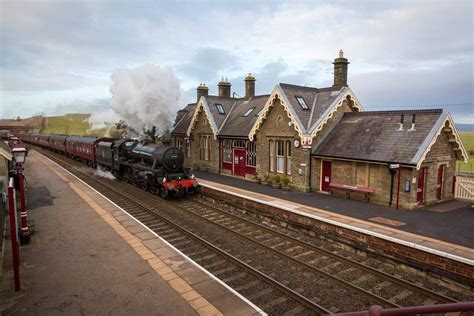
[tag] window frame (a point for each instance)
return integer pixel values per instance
(220, 108)
(280, 158)
(227, 150)
(251, 153)
(188, 148)
(288, 157)
(302, 102)
(271, 151)
(249, 111)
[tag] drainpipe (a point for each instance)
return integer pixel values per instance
(309, 164)
(392, 174)
(398, 187)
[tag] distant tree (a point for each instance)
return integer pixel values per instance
(18, 118)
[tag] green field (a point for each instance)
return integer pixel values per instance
(468, 141)
(70, 124)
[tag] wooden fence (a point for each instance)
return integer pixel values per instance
(464, 188)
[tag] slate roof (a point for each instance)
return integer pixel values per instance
(318, 101)
(182, 126)
(226, 103)
(236, 124)
(375, 136)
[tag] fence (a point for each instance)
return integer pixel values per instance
(464, 187)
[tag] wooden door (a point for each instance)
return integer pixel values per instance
(420, 192)
(440, 184)
(239, 162)
(326, 176)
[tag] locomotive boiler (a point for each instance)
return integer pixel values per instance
(153, 167)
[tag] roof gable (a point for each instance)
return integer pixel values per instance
(202, 107)
(376, 136)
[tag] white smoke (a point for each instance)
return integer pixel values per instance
(143, 97)
(104, 174)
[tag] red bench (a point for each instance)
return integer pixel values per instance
(352, 188)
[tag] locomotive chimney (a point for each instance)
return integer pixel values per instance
(249, 86)
(340, 71)
(201, 90)
(224, 88)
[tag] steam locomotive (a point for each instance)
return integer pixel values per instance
(153, 167)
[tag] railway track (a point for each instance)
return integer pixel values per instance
(277, 272)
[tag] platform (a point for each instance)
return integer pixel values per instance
(445, 234)
(88, 256)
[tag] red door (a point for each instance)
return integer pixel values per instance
(239, 162)
(440, 186)
(420, 192)
(326, 176)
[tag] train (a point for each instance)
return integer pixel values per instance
(153, 167)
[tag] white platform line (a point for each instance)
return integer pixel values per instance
(347, 226)
(257, 309)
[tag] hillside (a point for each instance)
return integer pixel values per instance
(69, 124)
(468, 141)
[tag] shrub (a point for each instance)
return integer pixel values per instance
(277, 179)
(285, 181)
(270, 178)
(255, 175)
(266, 177)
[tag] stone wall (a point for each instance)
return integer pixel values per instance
(275, 127)
(440, 153)
(203, 127)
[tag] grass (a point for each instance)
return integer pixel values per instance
(468, 141)
(71, 124)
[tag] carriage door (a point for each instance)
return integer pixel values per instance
(326, 176)
(440, 184)
(239, 162)
(420, 192)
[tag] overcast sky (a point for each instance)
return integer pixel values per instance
(58, 56)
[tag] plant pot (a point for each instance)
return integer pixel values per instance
(286, 187)
(264, 182)
(276, 185)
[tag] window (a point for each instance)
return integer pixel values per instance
(179, 144)
(302, 103)
(220, 108)
(188, 148)
(248, 112)
(280, 154)
(228, 150)
(288, 157)
(272, 155)
(251, 154)
(259, 112)
(204, 147)
(239, 143)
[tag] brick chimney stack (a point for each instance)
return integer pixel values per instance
(224, 88)
(340, 71)
(202, 90)
(249, 86)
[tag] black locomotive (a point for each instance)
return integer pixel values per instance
(155, 168)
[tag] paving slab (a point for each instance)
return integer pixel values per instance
(82, 260)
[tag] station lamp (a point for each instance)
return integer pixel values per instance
(20, 152)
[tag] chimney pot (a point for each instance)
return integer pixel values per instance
(413, 119)
(340, 71)
(402, 118)
(224, 88)
(249, 86)
(201, 90)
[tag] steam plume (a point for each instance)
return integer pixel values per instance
(143, 97)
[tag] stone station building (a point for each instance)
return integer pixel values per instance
(322, 140)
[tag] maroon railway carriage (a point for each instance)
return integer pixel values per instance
(58, 142)
(83, 148)
(41, 140)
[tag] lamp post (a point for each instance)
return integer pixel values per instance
(20, 152)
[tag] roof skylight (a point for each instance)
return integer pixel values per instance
(248, 112)
(302, 102)
(220, 108)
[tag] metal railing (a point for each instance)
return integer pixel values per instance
(415, 310)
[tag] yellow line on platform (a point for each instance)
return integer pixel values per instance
(194, 299)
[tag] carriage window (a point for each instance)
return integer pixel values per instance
(251, 154)
(228, 150)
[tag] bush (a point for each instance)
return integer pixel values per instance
(255, 175)
(285, 181)
(266, 177)
(277, 179)
(270, 178)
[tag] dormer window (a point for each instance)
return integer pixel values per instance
(248, 112)
(220, 108)
(302, 102)
(259, 112)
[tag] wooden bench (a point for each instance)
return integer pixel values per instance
(352, 188)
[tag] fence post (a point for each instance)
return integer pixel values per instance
(14, 235)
